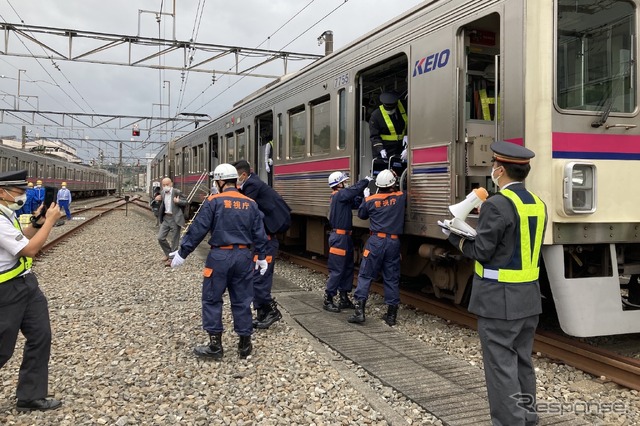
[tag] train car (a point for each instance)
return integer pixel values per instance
(83, 181)
(559, 77)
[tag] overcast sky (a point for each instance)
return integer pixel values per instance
(120, 90)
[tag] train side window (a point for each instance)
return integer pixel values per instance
(195, 160)
(241, 145)
(342, 119)
(321, 126)
(231, 148)
(280, 140)
(297, 133)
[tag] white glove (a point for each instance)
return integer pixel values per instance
(366, 192)
(445, 228)
(383, 153)
(263, 265)
(270, 161)
(405, 141)
(267, 168)
(177, 260)
(369, 178)
(403, 156)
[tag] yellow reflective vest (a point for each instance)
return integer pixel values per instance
(23, 264)
(393, 136)
(529, 250)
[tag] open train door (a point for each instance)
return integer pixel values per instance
(264, 147)
(479, 117)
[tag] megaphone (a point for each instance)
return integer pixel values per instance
(462, 209)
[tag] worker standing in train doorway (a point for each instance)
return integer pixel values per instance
(388, 128)
(385, 211)
(268, 159)
(64, 199)
(506, 294)
(23, 306)
(277, 219)
(235, 223)
(340, 263)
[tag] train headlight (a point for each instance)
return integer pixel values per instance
(579, 188)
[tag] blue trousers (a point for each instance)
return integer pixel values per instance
(233, 270)
(262, 283)
(380, 254)
(64, 204)
(340, 263)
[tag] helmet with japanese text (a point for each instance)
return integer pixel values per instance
(336, 178)
(386, 179)
(225, 171)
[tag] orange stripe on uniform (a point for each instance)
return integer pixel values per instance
(338, 251)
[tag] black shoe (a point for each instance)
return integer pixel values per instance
(391, 315)
(358, 315)
(43, 404)
(345, 303)
(244, 346)
(213, 350)
(329, 305)
(261, 314)
(272, 316)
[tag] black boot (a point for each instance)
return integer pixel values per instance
(213, 350)
(244, 346)
(272, 316)
(391, 315)
(358, 315)
(329, 305)
(261, 313)
(345, 303)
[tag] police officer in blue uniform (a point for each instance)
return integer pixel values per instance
(340, 262)
(505, 293)
(235, 222)
(23, 306)
(277, 219)
(385, 211)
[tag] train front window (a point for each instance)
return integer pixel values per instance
(596, 63)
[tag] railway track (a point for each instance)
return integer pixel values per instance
(600, 362)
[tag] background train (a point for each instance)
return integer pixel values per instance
(559, 77)
(83, 181)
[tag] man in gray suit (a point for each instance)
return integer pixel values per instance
(171, 217)
(505, 293)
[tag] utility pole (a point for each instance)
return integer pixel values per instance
(24, 137)
(120, 171)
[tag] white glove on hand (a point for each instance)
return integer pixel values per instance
(366, 192)
(369, 178)
(177, 260)
(383, 153)
(444, 227)
(270, 161)
(267, 168)
(263, 265)
(403, 156)
(405, 141)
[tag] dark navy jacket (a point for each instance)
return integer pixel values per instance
(232, 218)
(385, 212)
(276, 211)
(342, 202)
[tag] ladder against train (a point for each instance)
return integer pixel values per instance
(194, 191)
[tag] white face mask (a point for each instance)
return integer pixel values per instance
(19, 201)
(167, 188)
(495, 179)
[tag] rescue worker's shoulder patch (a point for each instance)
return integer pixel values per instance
(19, 237)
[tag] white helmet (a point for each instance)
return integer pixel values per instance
(225, 171)
(337, 177)
(385, 179)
